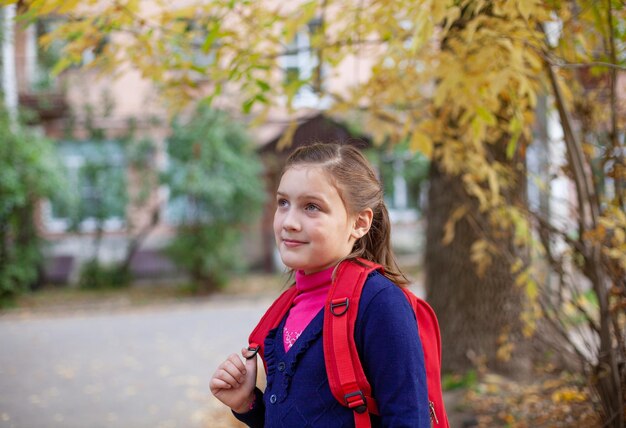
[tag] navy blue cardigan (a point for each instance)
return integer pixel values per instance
(297, 392)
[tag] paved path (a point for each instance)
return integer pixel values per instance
(141, 367)
(130, 368)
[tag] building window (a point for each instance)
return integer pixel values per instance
(184, 210)
(403, 174)
(40, 77)
(301, 64)
(97, 196)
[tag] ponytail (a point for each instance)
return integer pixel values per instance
(375, 246)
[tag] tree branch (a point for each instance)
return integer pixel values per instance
(584, 187)
(561, 330)
(564, 64)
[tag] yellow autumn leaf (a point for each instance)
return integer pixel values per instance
(44, 7)
(287, 137)
(422, 143)
(505, 351)
(619, 236)
(614, 253)
(494, 185)
(486, 115)
(475, 190)
(508, 418)
(452, 14)
(529, 326)
(448, 228)
(568, 395)
(620, 216)
(480, 255)
(525, 8)
(184, 12)
(305, 13)
(517, 265)
(532, 289)
(67, 6)
(522, 278)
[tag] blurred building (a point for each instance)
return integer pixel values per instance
(91, 120)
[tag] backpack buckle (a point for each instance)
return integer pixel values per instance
(356, 401)
(254, 348)
(342, 304)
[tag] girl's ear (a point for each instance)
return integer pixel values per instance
(362, 223)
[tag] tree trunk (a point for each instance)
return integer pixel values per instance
(137, 241)
(477, 315)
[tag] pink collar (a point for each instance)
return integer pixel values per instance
(307, 283)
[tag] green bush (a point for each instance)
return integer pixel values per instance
(208, 253)
(215, 183)
(29, 171)
(94, 276)
(452, 381)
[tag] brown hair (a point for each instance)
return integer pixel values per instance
(359, 188)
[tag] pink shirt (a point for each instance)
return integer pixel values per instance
(312, 292)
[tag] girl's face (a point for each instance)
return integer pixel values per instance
(312, 227)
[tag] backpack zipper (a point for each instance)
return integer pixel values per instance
(433, 415)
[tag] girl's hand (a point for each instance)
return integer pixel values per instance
(234, 380)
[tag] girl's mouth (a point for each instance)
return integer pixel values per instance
(291, 243)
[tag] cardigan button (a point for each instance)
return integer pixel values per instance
(273, 398)
(281, 366)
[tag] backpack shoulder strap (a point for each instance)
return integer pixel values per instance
(270, 320)
(345, 373)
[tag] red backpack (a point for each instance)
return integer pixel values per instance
(347, 380)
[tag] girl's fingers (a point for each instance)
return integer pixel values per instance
(236, 360)
(226, 377)
(233, 382)
(217, 383)
(234, 370)
(231, 372)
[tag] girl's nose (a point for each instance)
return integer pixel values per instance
(290, 221)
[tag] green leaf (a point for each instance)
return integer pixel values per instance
(512, 145)
(211, 37)
(248, 104)
(61, 65)
(487, 116)
(264, 86)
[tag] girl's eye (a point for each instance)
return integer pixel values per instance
(282, 202)
(311, 207)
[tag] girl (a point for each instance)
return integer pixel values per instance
(329, 208)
